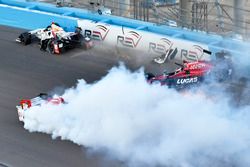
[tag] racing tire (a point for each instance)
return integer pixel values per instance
(85, 44)
(50, 46)
(25, 38)
(81, 40)
(43, 95)
(99, 11)
(78, 30)
(149, 76)
(156, 83)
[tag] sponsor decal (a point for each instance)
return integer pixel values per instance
(99, 33)
(197, 66)
(130, 39)
(161, 47)
(187, 80)
(165, 47)
(195, 53)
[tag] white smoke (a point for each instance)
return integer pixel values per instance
(147, 125)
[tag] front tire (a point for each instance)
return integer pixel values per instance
(50, 46)
(99, 11)
(149, 76)
(156, 82)
(86, 43)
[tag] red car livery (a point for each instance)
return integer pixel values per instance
(188, 74)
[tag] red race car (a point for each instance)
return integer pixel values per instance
(42, 98)
(191, 73)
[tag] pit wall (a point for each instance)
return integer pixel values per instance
(115, 30)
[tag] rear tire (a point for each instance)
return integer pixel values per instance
(25, 38)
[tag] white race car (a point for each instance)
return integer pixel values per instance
(55, 40)
(42, 98)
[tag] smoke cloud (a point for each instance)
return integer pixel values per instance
(147, 125)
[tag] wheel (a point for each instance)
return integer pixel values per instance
(43, 95)
(156, 82)
(99, 12)
(50, 46)
(25, 38)
(86, 43)
(78, 30)
(148, 76)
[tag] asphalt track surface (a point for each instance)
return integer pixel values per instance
(25, 71)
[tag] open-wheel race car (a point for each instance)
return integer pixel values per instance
(55, 40)
(192, 73)
(42, 98)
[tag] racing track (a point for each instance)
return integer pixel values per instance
(24, 72)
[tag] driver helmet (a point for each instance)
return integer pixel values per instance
(25, 105)
(55, 27)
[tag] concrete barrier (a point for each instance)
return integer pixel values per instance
(32, 15)
(31, 19)
(114, 20)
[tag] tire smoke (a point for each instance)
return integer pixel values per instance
(147, 125)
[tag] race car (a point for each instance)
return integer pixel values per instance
(55, 40)
(191, 73)
(42, 98)
(188, 74)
